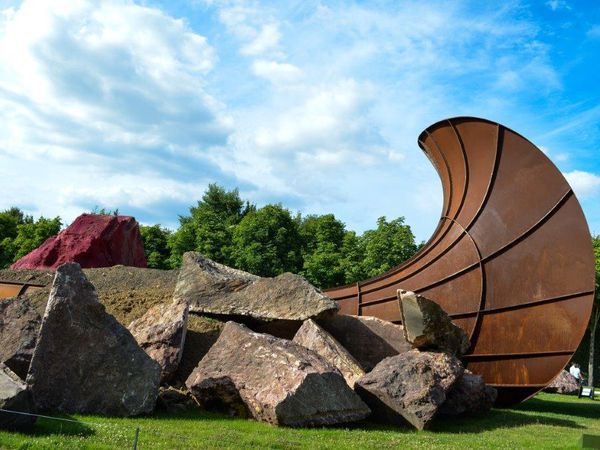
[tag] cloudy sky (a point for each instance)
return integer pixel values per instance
(314, 104)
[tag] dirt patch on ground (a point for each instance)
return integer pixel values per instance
(127, 293)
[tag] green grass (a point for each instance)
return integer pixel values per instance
(546, 421)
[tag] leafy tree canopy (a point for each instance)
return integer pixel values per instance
(20, 234)
(267, 242)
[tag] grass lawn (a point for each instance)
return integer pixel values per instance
(546, 421)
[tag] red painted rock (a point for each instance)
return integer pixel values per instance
(92, 240)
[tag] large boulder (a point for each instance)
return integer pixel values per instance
(161, 333)
(212, 288)
(427, 326)
(19, 326)
(273, 380)
(92, 240)
(409, 387)
(563, 383)
(368, 339)
(315, 338)
(85, 361)
(14, 396)
(469, 395)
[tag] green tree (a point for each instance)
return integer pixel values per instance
(209, 227)
(10, 219)
(352, 262)
(267, 242)
(387, 246)
(595, 318)
(156, 246)
(29, 235)
(322, 241)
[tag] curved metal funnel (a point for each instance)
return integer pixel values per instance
(511, 260)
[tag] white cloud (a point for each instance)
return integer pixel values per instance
(112, 88)
(276, 72)
(555, 5)
(594, 32)
(585, 184)
(267, 39)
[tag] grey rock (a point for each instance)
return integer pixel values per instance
(315, 338)
(19, 327)
(212, 288)
(368, 339)
(563, 383)
(14, 396)
(470, 395)
(409, 387)
(161, 333)
(272, 380)
(427, 326)
(85, 361)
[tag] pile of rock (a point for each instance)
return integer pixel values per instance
(563, 383)
(282, 355)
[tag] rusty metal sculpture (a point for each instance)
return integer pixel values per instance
(511, 259)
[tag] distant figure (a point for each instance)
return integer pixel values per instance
(576, 372)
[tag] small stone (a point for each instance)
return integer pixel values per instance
(427, 326)
(161, 333)
(315, 338)
(563, 383)
(409, 387)
(19, 327)
(272, 380)
(470, 395)
(14, 396)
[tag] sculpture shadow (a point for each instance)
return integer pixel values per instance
(582, 409)
(498, 418)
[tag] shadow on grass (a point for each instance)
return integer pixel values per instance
(46, 427)
(532, 412)
(499, 418)
(573, 407)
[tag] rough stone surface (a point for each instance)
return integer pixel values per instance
(92, 240)
(14, 396)
(427, 326)
(85, 361)
(19, 326)
(315, 338)
(409, 387)
(161, 333)
(564, 383)
(470, 395)
(273, 380)
(173, 399)
(368, 339)
(212, 288)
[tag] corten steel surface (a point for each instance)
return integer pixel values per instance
(511, 260)
(9, 289)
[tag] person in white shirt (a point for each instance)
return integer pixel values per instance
(576, 372)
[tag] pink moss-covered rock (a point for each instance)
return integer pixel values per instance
(92, 240)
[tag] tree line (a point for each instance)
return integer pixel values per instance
(265, 241)
(271, 240)
(20, 234)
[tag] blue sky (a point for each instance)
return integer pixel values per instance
(314, 104)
